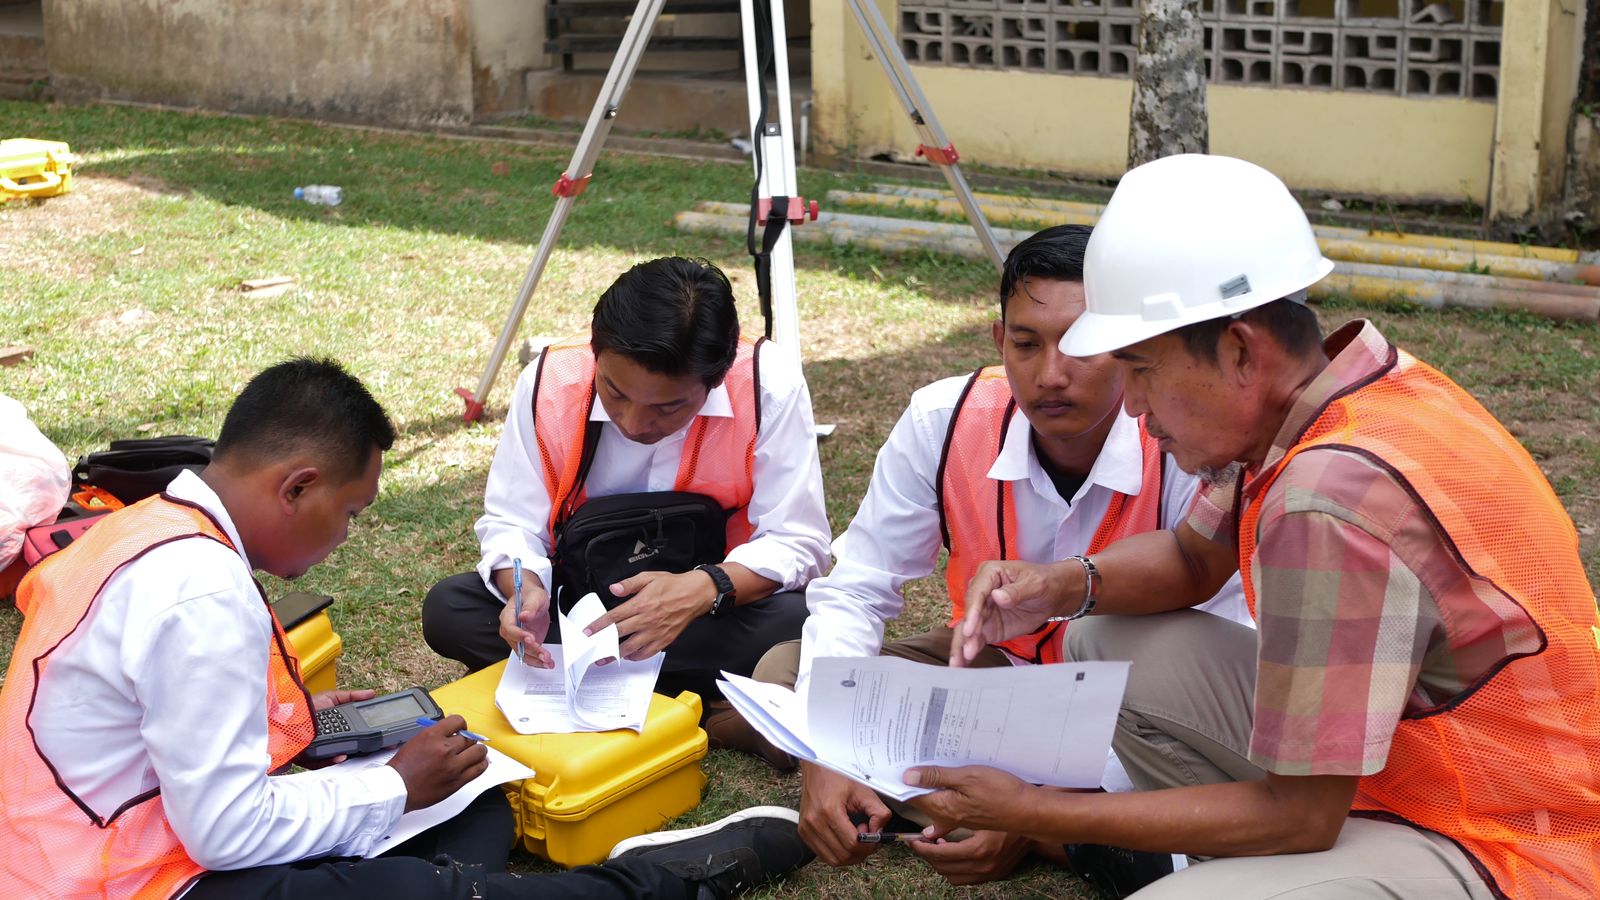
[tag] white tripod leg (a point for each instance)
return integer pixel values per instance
(571, 184)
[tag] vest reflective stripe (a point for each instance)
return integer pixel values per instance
(1510, 770)
(54, 844)
(978, 514)
(719, 453)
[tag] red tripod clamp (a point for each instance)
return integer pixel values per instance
(566, 186)
(474, 410)
(940, 156)
(800, 210)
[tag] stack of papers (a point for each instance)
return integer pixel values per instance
(871, 719)
(575, 694)
(502, 769)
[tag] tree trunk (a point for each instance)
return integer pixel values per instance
(1169, 83)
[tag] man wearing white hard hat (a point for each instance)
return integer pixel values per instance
(1420, 719)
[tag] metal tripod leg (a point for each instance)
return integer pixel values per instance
(567, 188)
(935, 145)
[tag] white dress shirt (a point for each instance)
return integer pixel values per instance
(789, 525)
(894, 537)
(164, 686)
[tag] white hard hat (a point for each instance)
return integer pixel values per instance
(1189, 238)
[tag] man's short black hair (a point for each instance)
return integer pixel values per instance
(1293, 324)
(306, 404)
(673, 316)
(1055, 253)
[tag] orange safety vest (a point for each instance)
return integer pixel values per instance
(1510, 769)
(54, 844)
(978, 517)
(719, 454)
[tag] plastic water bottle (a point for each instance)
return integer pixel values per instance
(320, 194)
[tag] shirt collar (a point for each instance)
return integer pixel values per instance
(717, 405)
(191, 488)
(1356, 352)
(1118, 467)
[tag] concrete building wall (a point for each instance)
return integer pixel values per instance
(507, 42)
(400, 61)
(1421, 147)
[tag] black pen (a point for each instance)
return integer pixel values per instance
(888, 837)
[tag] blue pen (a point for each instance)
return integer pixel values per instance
(426, 722)
(516, 588)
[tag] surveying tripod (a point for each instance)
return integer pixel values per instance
(775, 203)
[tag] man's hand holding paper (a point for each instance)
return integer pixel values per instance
(978, 797)
(660, 606)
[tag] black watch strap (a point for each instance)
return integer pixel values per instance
(725, 594)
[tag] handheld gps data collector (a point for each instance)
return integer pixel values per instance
(366, 726)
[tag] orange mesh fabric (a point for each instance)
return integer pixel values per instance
(55, 846)
(979, 513)
(1511, 769)
(718, 453)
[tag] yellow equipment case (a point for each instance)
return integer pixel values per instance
(593, 789)
(305, 618)
(30, 168)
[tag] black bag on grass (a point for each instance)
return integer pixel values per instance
(134, 469)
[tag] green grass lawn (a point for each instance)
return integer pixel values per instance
(128, 291)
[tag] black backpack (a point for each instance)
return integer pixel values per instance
(135, 469)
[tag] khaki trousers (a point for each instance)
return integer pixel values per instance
(1186, 720)
(781, 664)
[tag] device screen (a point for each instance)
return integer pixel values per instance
(403, 708)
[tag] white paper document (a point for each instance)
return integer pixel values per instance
(871, 719)
(502, 769)
(575, 694)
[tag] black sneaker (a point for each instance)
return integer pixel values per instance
(729, 856)
(1118, 872)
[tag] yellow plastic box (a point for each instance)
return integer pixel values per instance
(318, 646)
(305, 619)
(32, 168)
(590, 790)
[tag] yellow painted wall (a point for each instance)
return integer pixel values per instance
(1323, 140)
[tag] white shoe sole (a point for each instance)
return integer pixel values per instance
(662, 838)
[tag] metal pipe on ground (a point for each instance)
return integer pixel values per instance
(1027, 209)
(1439, 295)
(1361, 282)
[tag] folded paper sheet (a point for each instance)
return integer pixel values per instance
(871, 719)
(575, 694)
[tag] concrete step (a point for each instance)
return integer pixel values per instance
(25, 87)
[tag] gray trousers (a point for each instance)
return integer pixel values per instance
(1186, 720)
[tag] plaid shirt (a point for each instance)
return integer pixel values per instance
(1350, 579)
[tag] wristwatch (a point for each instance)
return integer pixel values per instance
(725, 594)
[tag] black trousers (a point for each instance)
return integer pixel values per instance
(461, 621)
(462, 859)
